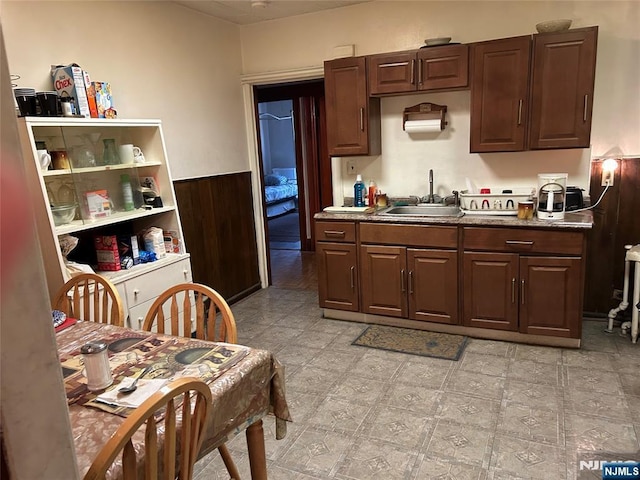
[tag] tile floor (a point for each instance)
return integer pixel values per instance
(503, 411)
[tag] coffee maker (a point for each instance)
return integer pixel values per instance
(552, 189)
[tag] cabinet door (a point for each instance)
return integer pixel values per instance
(383, 271)
(394, 73)
(551, 296)
(337, 276)
(562, 89)
(491, 290)
(499, 93)
(443, 67)
(350, 130)
(433, 285)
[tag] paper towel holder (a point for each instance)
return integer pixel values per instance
(424, 111)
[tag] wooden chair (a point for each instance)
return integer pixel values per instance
(178, 455)
(208, 303)
(90, 297)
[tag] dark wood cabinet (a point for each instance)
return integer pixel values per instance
(541, 99)
(415, 283)
(437, 68)
(499, 94)
(337, 262)
(353, 118)
(526, 281)
(562, 85)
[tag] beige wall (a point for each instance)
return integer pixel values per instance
(162, 60)
(386, 26)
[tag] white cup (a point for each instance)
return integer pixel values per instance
(126, 153)
(138, 155)
(44, 159)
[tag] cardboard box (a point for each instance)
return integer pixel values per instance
(171, 241)
(128, 247)
(68, 81)
(107, 252)
(104, 100)
(98, 203)
(91, 94)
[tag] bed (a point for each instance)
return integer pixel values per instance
(280, 191)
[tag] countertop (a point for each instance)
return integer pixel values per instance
(571, 221)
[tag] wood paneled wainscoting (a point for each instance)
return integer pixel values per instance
(616, 224)
(219, 231)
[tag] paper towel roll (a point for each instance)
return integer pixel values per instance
(422, 126)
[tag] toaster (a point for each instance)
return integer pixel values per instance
(574, 200)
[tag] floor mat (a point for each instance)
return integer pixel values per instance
(415, 342)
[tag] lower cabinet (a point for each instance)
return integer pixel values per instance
(337, 262)
(420, 284)
(527, 291)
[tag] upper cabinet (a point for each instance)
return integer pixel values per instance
(533, 100)
(562, 89)
(499, 94)
(432, 68)
(353, 118)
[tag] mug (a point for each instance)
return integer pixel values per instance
(126, 153)
(138, 156)
(44, 159)
(525, 210)
(60, 160)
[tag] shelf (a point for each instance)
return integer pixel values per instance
(117, 217)
(103, 168)
(87, 122)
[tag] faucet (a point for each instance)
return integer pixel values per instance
(430, 198)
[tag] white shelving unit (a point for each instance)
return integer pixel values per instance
(141, 284)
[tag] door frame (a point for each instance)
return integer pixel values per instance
(253, 149)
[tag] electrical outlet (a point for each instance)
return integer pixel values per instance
(351, 166)
(607, 178)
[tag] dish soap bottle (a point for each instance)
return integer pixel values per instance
(358, 192)
(371, 197)
(127, 193)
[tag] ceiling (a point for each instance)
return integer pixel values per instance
(241, 12)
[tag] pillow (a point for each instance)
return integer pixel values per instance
(273, 180)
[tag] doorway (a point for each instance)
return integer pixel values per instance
(295, 167)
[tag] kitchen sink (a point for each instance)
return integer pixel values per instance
(425, 210)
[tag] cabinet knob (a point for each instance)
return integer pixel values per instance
(135, 292)
(140, 320)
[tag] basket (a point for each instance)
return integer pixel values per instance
(493, 203)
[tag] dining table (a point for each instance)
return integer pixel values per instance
(247, 384)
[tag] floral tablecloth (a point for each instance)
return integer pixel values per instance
(246, 384)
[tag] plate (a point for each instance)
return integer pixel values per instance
(430, 42)
(123, 343)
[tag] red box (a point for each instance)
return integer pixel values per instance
(107, 252)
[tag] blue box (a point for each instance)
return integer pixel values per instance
(621, 471)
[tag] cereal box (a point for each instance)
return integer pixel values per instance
(68, 81)
(104, 100)
(107, 252)
(91, 94)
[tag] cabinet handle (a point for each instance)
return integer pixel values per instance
(513, 290)
(420, 72)
(410, 282)
(334, 233)
(586, 102)
(362, 119)
(135, 292)
(520, 112)
(352, 272)
(402, 280)
(519, 242)
(522, 292)
(413, 71)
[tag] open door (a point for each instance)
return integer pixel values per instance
(294, 160)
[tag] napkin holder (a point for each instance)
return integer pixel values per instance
(424, 118)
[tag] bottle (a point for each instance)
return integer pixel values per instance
(372, 194)
(358, 192)
(127, 192)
